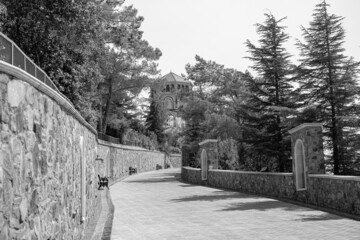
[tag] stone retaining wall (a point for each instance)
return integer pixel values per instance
(49, 161)
(40, 174)
(333, 192)
(118, 158)
(175, 160)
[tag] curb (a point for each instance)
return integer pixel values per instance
(302, 204)
(106, 234)
(99, 227)
(95, 228)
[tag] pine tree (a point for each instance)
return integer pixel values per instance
(270, 94)
(328, 83)
(155, 119)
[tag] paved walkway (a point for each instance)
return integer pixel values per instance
(156, 205)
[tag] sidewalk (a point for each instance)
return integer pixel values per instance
(156, 205)
(99, 227)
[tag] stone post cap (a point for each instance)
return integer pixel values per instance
(304, 125)
(208, 141)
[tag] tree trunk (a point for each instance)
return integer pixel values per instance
(334, 127)
(107, 109)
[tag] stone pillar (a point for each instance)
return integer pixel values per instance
(210, 145)
(311, 136)
(185, 151)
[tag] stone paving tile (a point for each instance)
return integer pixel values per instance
(156, 205)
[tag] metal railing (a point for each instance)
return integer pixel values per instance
(12, 54)
(108, 138)
(111, 139)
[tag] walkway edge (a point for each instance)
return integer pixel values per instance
(99, 227)
(95, 228)
(302, 204)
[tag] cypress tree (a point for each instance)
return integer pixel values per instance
(328, 83)
(270, 93)
(155, 119)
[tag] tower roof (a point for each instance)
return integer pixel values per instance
(172, 77)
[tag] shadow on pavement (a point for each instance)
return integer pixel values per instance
(322, 217)
(272, 204)
(187, 184)
(157, 178)
(264, 205)
(214, 197)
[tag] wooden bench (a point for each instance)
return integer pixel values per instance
(132, 170)
(103, 182)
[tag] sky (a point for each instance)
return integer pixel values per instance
(217, 30)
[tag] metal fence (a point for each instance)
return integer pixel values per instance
(12, 54)
(108, 138)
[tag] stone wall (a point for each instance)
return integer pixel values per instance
(41, 169)
(118, 158)
(211, 149)
(191, 175)
(175, 160)
(339, 193)
(50, 161)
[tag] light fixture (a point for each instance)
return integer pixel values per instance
(99, 159)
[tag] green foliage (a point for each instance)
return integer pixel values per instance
(194, 114)
(270, 96)
(228, 104)
(129, 63)
(257, 111)
(156, 117)
(60, 36)
(228, 155)
(329, 85)
(211, 109)
(92, 50)
(134, 138)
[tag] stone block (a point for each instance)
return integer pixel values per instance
(3, 221)
(21, 233)
(30, 140)
(4, 78)
(4, 137)
(43, 163)
(36, 159)
(16, 146)
(34, 203)
(4, 233)
(14, 223)
(38, 132)
(28, 118)
(30, 95)
(16, 92)
(1, 189)
(5, 118)
(24, 208)
(6, 160)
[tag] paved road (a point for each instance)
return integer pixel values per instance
(156, 205)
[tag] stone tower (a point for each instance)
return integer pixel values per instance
(167, 90)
